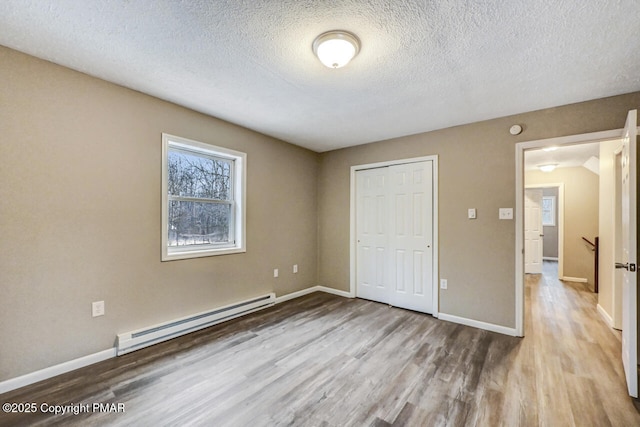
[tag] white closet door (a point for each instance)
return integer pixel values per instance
(394, 228)
(371, 232)
(411, 235)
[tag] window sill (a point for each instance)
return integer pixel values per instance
(177, 255)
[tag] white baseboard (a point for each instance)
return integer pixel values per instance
(574, 279)
(608, 319)
(59, 369)
(296, 294)
(311, 290)
(335, 292)
(478, 324)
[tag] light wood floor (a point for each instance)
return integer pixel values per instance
(323, 360)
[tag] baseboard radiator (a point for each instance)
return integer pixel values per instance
(135, 340)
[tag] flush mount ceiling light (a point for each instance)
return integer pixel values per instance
(547, 168)
(336, 48)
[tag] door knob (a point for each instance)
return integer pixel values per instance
(626, 266)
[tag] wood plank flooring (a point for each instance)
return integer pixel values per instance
(323, 360)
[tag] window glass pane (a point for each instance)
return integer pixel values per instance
(548, 211)
(191, 175)
(195, 223)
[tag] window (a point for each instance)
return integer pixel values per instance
(203, 199)
(549, 210)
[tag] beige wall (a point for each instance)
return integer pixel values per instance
(477, 170)
(581, 188)
(80, 215)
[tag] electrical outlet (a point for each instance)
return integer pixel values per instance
(97, 308)
(275, 272)
(443, 283)
(295, 268)
(471, 213)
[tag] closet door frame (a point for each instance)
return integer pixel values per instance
(352, 227)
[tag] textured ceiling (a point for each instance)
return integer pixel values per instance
(423, 65)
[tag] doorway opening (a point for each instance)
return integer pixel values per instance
(627, 139)
(521, 149)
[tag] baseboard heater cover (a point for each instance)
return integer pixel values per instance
(135, 340)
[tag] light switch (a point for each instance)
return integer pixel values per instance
(97, 308)
(505, 213)
(472, 213)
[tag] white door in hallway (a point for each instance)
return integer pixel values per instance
(533, 231)
(394, 231)
(629, 254)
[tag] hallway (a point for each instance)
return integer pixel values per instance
(579, 379)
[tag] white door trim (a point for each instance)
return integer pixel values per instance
(521, 147)
(352, 222)
(560, 225)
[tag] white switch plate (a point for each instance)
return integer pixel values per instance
(97, 308)
(472, 213)
(275, 272)
(505, 213)
(443, 283)
(295, 268)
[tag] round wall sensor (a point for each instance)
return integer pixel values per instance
(515, 130)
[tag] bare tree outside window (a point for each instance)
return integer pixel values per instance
(200, 199)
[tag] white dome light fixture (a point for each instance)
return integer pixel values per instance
(547, 168)
(336, 48)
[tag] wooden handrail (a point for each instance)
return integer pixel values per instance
(597, 255)
(596, 272)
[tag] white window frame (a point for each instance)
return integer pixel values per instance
(238, 223)
(553, 211)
